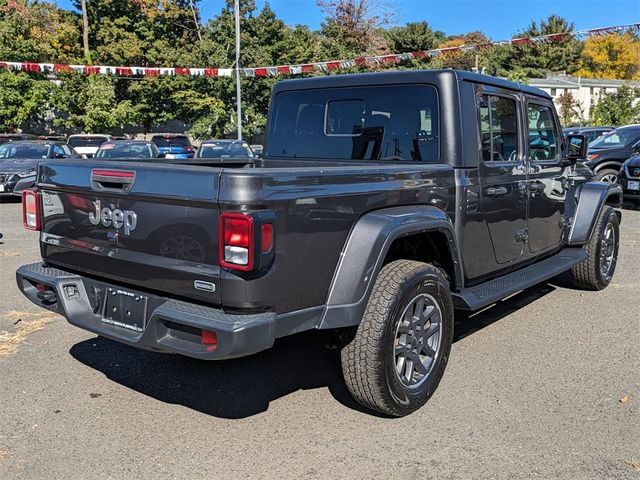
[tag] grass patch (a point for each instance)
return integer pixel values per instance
(29, 323)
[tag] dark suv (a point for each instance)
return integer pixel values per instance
(19, 159)
(591, 133)
(174, 146)
(607, 153)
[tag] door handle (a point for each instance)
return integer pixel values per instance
(496, 191)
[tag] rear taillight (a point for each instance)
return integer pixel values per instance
(31, 210)
(236, 241)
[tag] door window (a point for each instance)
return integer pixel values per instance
(498, 128)
(58, 151)
(543, 133)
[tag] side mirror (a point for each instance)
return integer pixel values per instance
(162, 155)
(60, 155)
(577, 145)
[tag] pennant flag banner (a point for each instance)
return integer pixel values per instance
(376, 61)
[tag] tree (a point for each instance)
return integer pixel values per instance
(22, 99)
(611, 56)
(413, 37)
(460, 59)
(618, 108)
(38, 32)
(569, 109)
(536, 59)
(89, 103)
(352, 27)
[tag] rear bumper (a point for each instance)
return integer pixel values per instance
(170, 325)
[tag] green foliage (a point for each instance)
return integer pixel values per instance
(537, 59)
(619, 108)
(413, 37)
(171, 33)
(23, 98)
(89, 103)
(38, 32)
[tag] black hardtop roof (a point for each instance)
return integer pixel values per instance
(403, 76)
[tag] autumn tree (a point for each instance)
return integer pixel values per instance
(611, 56)
(353, 27)
(569, 109)
(38, 32)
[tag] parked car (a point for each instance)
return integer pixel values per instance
(257, 150)
(15, 137)
(224, 150)
(173, 145)
(87, 144)
(608, 153)
(18, 162)
(125, 149)
(53, 138)
(374, 212)
(590, 132)
(630, 178)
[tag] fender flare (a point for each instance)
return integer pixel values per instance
(364, 253)
(608, 164)
(592, 197)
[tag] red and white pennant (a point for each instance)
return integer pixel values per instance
(329, 66)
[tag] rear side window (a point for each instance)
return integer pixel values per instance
(86, 141)
(498, 128)
(543, 132)
(390, 123)
(171, 141)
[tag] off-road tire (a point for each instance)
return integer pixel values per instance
(368, 361)
(587, 274)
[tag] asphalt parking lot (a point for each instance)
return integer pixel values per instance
(543, 385)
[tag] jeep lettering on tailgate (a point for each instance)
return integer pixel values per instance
(116, 217)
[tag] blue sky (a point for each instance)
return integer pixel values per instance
(500, 19)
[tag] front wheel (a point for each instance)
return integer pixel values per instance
(596, 271)
(401, 348)
(608, 176)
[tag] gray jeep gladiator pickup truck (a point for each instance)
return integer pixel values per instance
(383, 202)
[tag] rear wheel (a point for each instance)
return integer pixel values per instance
(401, 348)
(596, 271)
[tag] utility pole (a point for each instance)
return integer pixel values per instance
(238, 92)
(85, 29)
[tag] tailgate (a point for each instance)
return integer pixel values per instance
(148, 225)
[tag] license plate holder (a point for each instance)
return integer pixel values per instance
(633, 185)
(125, 309)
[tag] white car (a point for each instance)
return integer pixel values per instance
(87, 144)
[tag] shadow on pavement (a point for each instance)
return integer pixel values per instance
(244, 387)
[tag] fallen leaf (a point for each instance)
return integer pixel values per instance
(624, 399)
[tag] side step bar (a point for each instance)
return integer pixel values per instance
(480, 296)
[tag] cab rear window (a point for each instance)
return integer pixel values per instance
(171, 141)
(388, 123)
